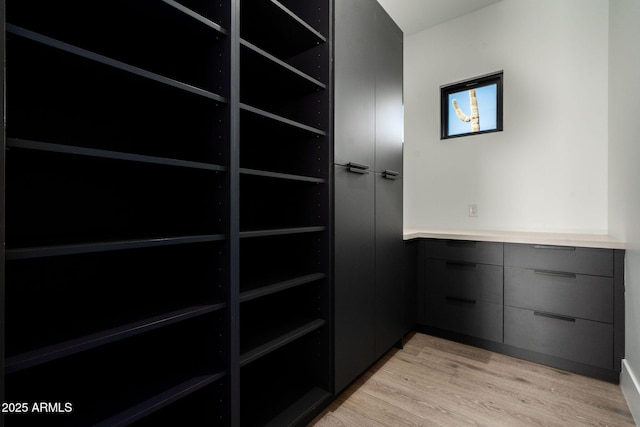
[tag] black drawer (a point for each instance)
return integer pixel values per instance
(464, 251)
(574, 295)
(579, 340)
(571, 259)
(476, 282)
(477, 319)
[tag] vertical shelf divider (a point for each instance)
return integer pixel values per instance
(234, 223)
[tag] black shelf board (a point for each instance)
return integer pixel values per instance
(107, 154)
(285, 176)
(280, 8)
(281, 231)
(293, 333)
(160, 400)
(77, 345)
(262, 291)
(57, 44)
(281, 119)
(83, 248)
(280, 30)
(194, 16)
(301, 408)
(317, 84)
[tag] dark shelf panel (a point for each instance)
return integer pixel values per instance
(79, 102)
(283, 120)
(301, 408)
(163, 37)
(282, 89)
(264, 142)
(106, 154)
(160, 401)
(280, 232)
(260, 291)
(275, 388)
(195, 17)
(43, 355)
(276, 203)
(107, 290)
(48, 41)
(284, 335)
(284, 176)
(269, 23)
(47, 251)
(113, 378)
(58, 199)
(277, 69)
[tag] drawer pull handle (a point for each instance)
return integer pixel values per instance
(559, 248)
(389, 174)
(461, 300)
(460, 264)
(554, 316)
(556, 274)
(357, 168)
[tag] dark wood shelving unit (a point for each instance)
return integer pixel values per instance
(166, 217)
(285, 211)
(116, 276)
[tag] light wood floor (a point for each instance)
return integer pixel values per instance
(435, 382)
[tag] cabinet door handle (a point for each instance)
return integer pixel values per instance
(460, 264)
(554, 316)
(389, 174)
(357, 168)
(460, 300)
(557, 248)
(556, 274)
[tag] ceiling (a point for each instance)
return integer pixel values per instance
(416, 15)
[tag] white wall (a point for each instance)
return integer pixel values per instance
(624, 172)
(547, 171)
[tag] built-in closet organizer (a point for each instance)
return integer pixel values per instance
(167, 212)
(560, 304)
(368, 186)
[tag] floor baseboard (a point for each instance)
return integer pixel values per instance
(631, 390)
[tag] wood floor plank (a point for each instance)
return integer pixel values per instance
(441, 383)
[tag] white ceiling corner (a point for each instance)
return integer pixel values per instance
(416, 15)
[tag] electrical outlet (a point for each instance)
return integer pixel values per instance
(473, 210)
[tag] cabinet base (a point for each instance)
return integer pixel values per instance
(611, 376)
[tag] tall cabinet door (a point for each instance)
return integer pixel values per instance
(354, 258)
(354, 82)
(388, 265)
(389, 121)
(389, 127)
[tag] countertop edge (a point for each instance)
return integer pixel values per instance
(561, 239)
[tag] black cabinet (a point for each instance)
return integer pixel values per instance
(167, 255)
(388, 263)
(355, 82)
(562, 299)
(558, 305)
(463, 287)
(368, 186)
(354, 274)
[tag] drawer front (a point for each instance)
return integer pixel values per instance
(574, 295)
(476, 282)
(582, 341)
(464, 251)
(481, 320)
(570, 259)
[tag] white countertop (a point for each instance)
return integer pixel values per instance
(561, 239)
